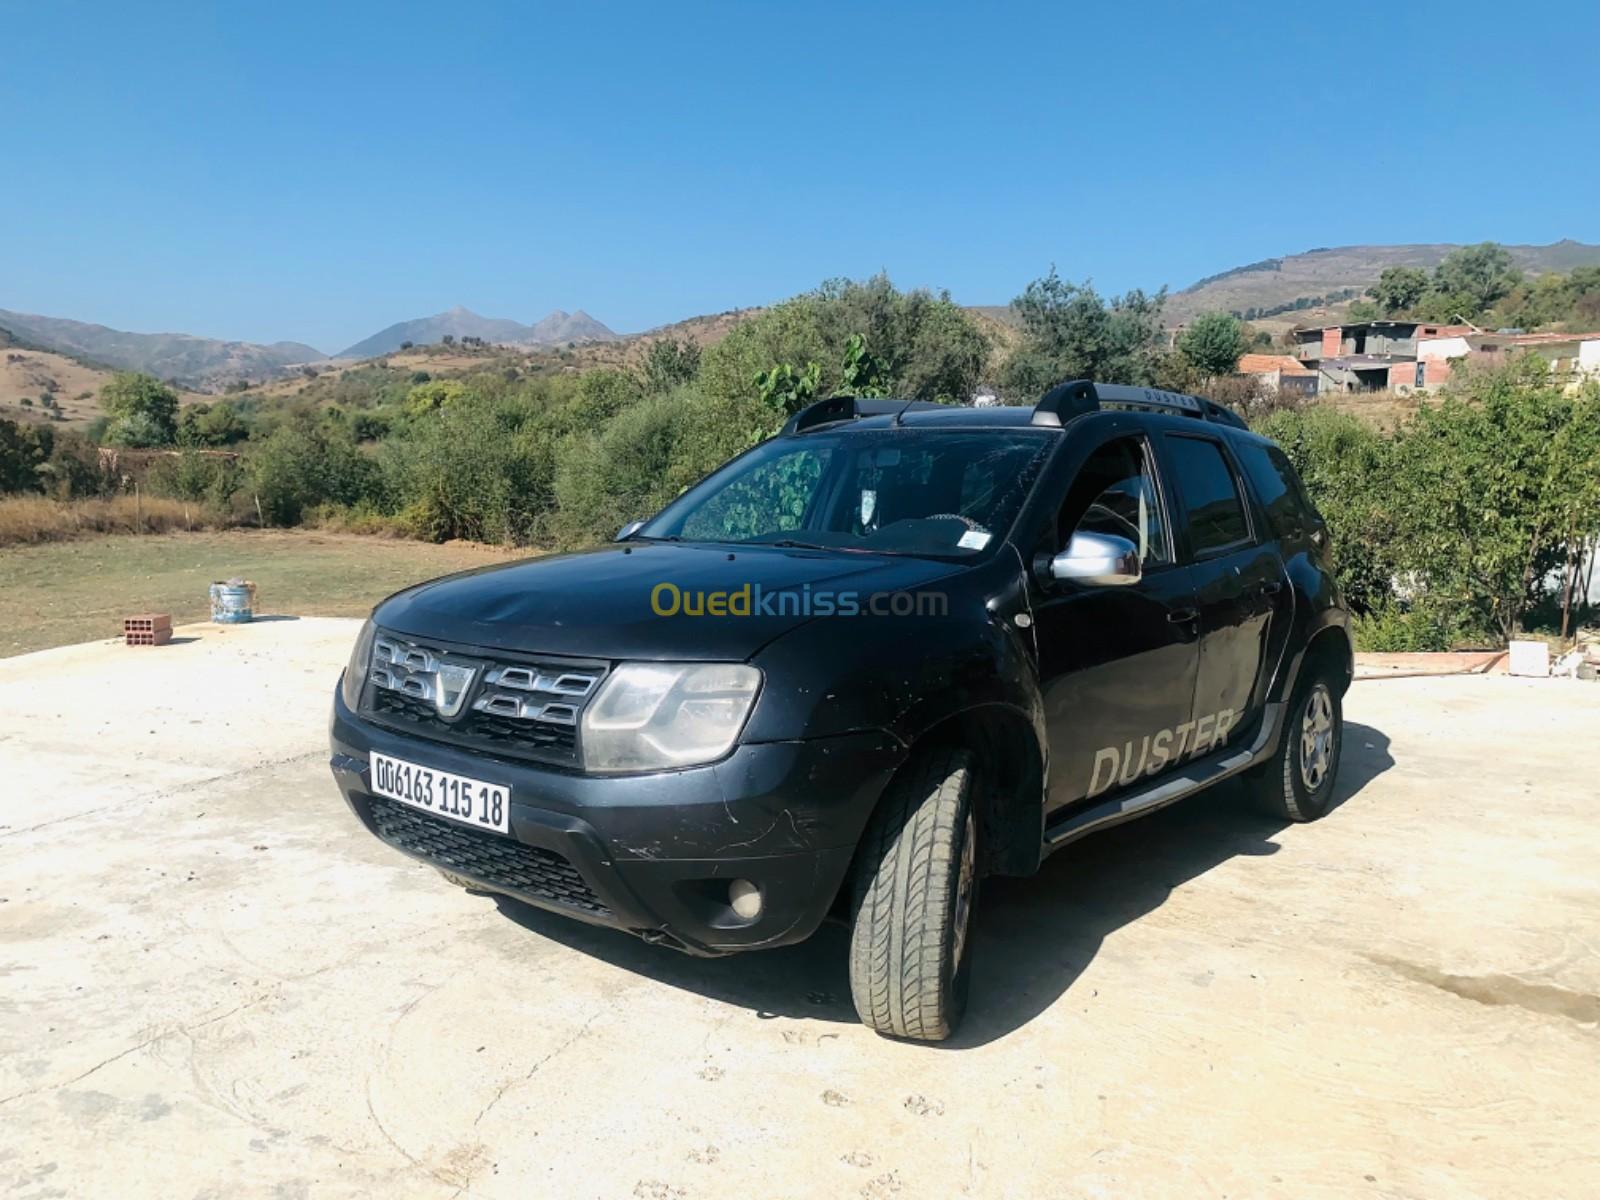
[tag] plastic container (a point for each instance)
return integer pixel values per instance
(233, 602)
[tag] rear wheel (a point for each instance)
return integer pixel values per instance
(1298, 783)
(916, 885)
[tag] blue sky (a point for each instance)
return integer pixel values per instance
(317, 171)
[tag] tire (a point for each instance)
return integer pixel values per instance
(915, 889)
(1297, 784)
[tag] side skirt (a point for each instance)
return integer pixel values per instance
(1193, 777)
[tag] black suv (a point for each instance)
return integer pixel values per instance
(895, 649)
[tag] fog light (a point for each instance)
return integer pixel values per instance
(745, 897)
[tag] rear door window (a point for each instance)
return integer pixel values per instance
(1276, 483)
(1210, 493)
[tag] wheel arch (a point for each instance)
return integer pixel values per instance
(1330, 651)
(1010, 796)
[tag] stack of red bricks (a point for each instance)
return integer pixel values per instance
(147, 629)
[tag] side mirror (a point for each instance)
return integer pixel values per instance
(1101, 559)
(628, 530)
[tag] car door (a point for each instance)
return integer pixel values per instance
(1117, 663)
(1238, 583)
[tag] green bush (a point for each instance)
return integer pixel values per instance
(1345, 466)
(137, 431)
(928, 346)
(646, 457)
(298, 467)
(143, 410)
(473, 472)
(211, 479)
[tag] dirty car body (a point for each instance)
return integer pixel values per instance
(893, 581)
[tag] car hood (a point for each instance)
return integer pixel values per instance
(597, 603)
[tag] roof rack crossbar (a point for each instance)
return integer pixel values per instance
(1080, 396)
(850, 408)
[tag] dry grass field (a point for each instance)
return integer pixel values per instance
(33, 374)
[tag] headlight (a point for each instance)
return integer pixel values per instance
(651, 716)
(355, 672)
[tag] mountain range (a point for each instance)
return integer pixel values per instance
(1288, 287)
(206, 364)
(554, 330)
(1314, 286)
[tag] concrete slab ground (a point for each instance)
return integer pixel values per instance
(214, 983)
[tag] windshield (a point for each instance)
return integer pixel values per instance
(891, 491)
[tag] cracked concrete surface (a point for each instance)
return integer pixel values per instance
(214, 983)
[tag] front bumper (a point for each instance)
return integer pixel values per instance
(651, 854)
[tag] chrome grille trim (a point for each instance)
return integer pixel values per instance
(506, 702)
(527, 679)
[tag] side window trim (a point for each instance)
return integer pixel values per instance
(1158, 486)
(1251, 536)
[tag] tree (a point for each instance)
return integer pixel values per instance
(929, 347)
(137, 431)
(449, 339)
(1069, 332)
(1489, 486)
(143, 410)
(1213, 343)
(786, 390)
(1475, 277)
(23, 447)
(669, 363)
(435, 394)
(211, 425)
(864, 374)
(1399, 289)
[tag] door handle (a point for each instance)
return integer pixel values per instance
(1184, 616)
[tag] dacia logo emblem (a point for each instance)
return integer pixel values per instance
(450, 688)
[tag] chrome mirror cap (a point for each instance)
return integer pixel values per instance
(1100, 559)
(628, 530)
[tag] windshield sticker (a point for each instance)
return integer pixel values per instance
(973, 539)
(869, 505)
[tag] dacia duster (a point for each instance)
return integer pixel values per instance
(895, 649)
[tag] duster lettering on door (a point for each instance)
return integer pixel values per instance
(1125, 764)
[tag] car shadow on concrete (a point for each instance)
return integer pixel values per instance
(1034, 936)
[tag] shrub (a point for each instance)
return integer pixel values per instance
(645, 457)
(1345, 466)
(670, 363)
(73, 470)
(23, 447)
(143, 410)
(298, 467)
(471, 472)
(929, 348)
(211, 425)
(137, 431)
(212, 479)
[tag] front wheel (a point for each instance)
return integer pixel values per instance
(1298, 783)
(916, 884)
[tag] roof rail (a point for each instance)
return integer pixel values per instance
(850, 408)
(1066, 401)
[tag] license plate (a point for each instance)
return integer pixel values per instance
(455, 797)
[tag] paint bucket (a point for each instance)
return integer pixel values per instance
(233, 602)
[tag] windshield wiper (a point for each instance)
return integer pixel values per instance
(791, 544)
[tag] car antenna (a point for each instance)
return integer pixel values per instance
(902, 412)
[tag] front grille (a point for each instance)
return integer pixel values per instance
(497, 861)
(521, 706)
